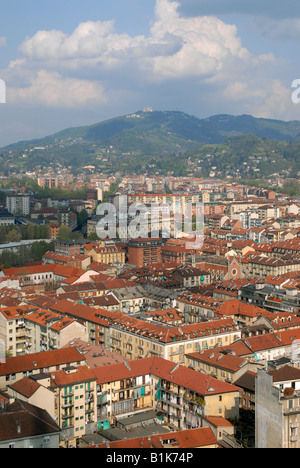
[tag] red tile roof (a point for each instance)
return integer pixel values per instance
(163, 369)
(43, 360)
(216, 358)
(236, 307)
(26, 387)
(63, 377)
(33, 421)
(186, 439)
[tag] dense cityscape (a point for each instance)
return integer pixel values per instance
(163, 341)
(149, 227)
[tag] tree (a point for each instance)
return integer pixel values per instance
(38, 249)
(93, 237)
(82, 218)
(13, 236)
(64, 233)
(30, 231)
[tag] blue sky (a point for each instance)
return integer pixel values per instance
(70, 63)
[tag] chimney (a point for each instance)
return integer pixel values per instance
(174, 369)
(127, 364)
(18, 427)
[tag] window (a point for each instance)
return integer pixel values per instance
(293, 434)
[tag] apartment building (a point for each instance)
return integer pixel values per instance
(266, 347)
(75, 403)
(267, 212)
(108, 254)
(221, 364)
(179, 396)
(69, 248)
(6, 218)
(288, 247)
(95, 320)
(196, 307)
(134, 338)
(143, 252)
(184, 396)
(67, 218)
(272, 298)
(78, 261)
(174, 254)
(202, 437)
(35, 391)
(259, 266)
(12, 330)
(176, 202)
(216, 221)
(190, 277)
(18, 205)
(49, 275)
(16, 368)
(122, 390)
(242, 206)
(28, 329)
(23, 426)
(277, 411)
(46, 331)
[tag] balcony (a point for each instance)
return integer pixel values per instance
(102, 415)
(122, 407)
(67, 433)
(67, 405)
(102, 399)
(89, 410)
(195, 400)
(89, 396)
(68, 415)
(169, 388)
(20, 337)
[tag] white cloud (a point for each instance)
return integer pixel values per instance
(52, 90)
(176, 46)
(262, 98)
(2, 41)
(206, 43)
(83, 68)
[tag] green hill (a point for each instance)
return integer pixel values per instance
(146, 139)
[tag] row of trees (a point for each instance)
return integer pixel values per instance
(17, 233)
(25, 254)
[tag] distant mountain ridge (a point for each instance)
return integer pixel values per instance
(214, 129)
(145, 135)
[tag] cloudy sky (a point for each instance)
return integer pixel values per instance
(71, 63)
